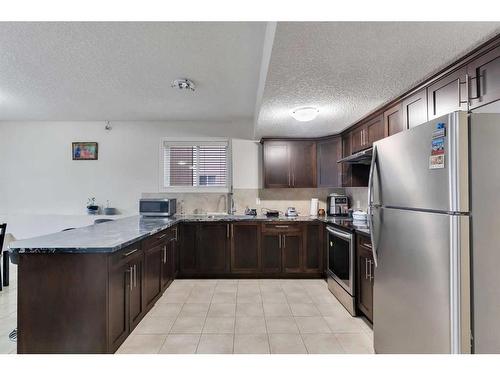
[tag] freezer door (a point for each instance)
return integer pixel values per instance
(421, 283)
(403, 176)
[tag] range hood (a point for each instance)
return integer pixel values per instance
(362, 157)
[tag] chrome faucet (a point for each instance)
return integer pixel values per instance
(231, 208)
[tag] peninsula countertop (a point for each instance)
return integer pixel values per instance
(114, 235)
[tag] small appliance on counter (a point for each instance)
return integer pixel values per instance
(337, 205)
(358, 215)
(271, 213)
(251, 211)
(162, 207)
(291, 212)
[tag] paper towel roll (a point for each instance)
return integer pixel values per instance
(314, 207)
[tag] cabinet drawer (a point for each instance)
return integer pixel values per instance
(281, 227)
(125, 255)
(157, 238)
(365, 242)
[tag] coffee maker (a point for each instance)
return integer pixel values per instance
(337, 205)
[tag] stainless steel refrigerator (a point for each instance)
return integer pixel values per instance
(434, 200)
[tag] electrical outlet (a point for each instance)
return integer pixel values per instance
(257, 201)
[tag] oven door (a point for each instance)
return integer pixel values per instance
(341, 258)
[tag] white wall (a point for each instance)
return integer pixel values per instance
(38, 176)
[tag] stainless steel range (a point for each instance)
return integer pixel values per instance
(340, 263)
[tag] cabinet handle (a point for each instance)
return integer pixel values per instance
(232, 230)
(281, 226)
(163, 235)
(129, 253)
(284, 241)
(293, 179)
(460, 101)
(279, 241)
(135, 275)
(366, 268)
(165, 254)
(131, 273)
(227, 230)
(368, 245)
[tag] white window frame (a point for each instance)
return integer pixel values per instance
(195, 189)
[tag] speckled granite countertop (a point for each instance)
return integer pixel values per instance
(114, 235)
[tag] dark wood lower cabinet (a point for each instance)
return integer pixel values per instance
(153, 272)
(119, 297)
(188, 255)
(365, 271)
(245, 247)
(314, 253)
(292, 247)
(271, 253)
(212, 247)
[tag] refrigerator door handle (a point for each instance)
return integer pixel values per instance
(371, 204)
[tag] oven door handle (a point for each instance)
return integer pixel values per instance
(344, 235)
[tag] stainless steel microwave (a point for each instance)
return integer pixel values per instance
(157, 207)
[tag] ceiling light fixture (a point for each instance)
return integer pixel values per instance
(183, 84)
(304, 114)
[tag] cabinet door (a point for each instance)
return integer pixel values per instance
(303, 156)
(277, 173)
(447, 95)
(346, 168)
(374, 130)
(313, 250)
(119, 286)
(245, 247)
(153, 273)
(187, 252)
(484, 78)
(271, 253)
(357, 139)
(329, 171)
(166, 263)
(415, 109)
(212, 247)
(292, 252)
(393, 120)
(137, 300)
(365, 282)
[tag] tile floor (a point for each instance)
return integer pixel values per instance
(249, 316)
(233, 316)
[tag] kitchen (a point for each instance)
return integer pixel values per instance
(243, 235)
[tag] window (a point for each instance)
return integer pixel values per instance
(195, 165)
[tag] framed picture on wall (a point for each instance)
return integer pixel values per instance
(84, 150)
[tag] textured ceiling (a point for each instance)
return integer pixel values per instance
(122, 71)
(348, 69)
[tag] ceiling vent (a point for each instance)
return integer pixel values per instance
(183, 84)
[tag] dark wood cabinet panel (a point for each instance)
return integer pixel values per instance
(291, 244)
(303, 164)
(393, 120)
(365, 272)
(245, 247)
(484, 79)
(187, 257)
(212, 247)
(357, 139)
(415, 109)
(119, 279)
(153, 273)
(374, 131)
(271, 253)
(313, 249)
(346, 168)
(137, 300)
(277, 164)
(167, 263)
(329, 171)
(447, 94)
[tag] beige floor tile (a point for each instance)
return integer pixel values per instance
(248, 298)
(226, 288)
(297, 297)
(277, 309)
(355, 343)
(343, 324)
(250, 324)
(312, 324)
(195, 309)
(155, 325)
(323, 298)
(286, 343)
(166, 309)
(248, 282)
(188, 324)
(222, 309)
(227, 282)
(271, 288)
(174, 297)
(248, 289)
(215, 344)
(322, 343)
(249, 309)
(219, 325)
(224, 297)
(329, 309)
(281, 324)
(142, 344)
(199, 297)
(274, 297)
(251, 344)
(304, 309)
(180, 344)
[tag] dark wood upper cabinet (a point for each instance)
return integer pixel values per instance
(277, 168)
(447, 94)
(414, 109)
(393, 120)
(289, 163)
(245, 247)
(212, 247)
(374, 130)
(329, 171)
(484, 79)
(346, 168)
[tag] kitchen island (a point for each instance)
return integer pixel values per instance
(85, 290)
